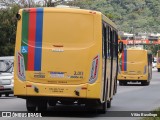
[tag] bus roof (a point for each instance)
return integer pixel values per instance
(109, 21)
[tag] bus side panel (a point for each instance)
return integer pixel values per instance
(94, 91)
(158, 59)
(19, 87)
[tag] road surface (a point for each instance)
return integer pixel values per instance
(130, 98)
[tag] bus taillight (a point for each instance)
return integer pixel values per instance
(119, 69)
(94, 69)
(145, 69)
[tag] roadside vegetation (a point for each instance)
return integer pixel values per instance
(142, 15)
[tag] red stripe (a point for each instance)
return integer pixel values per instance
(31, 38)
(123, 61)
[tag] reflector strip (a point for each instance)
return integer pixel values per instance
(28, 85)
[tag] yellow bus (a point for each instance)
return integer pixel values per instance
(135, 66)
(158, 60)
(65, 55)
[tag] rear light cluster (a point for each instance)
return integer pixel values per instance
(145, 69)
(158, 61)
(94, 70)
(119, 69)
(20, 66)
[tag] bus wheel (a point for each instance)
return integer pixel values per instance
(108, 104)
(115, 87)
(31, 107)
(145, 83)
(42, 106)
(120, 83)
(52, 103)
(158, 69)
(103, 108)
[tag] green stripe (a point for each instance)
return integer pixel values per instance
(24, 41)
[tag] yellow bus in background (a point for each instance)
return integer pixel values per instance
(158, 60)
(135, 65)
(65, 55)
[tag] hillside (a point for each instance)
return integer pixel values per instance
(142, 15)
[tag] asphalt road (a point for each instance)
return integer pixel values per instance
(129, 99)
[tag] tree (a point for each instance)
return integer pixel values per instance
(8, 30)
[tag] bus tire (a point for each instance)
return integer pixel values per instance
(30, 105)
(52, 103)
(104, 108)
(115, 87)
(109, 104)
(120, 83)
(146, 83)
(42, 106)
(158, 69)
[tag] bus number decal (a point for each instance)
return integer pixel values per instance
(78, 73)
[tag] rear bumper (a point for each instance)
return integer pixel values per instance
(6, 89)
(30, 89)
(132, 77)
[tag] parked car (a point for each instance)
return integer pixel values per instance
(6, 75)
(154, 62)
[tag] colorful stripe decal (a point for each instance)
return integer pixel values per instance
(31, 39)
(122, 61)
(24, 41)
(31, 45)
(125, 60)
(38, 49)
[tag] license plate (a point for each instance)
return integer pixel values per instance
(6, 82)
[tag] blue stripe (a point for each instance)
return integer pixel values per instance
(38, 43)
(125, 60)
